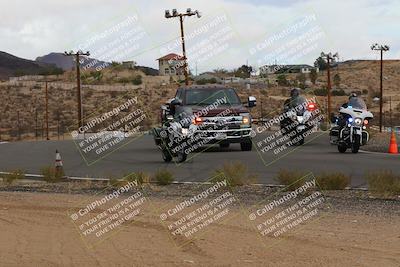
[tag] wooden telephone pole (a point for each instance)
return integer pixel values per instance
(78, 82)
(381, 48)
(329, 58)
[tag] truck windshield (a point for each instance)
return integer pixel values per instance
(203, 97)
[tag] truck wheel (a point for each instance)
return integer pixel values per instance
(342, 148)
(224, 145)
(246, 146)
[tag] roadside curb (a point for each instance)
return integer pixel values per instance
(39, 176)
(379, 153)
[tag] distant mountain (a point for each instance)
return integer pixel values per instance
(58, 59)
(68, 63)
(14, 66)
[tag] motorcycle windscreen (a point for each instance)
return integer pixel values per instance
(357, 103)
(298, 102)
(183, 112)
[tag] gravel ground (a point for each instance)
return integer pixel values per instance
(344, 201)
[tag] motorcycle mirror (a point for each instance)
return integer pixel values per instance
(176, 102)
(252, 101)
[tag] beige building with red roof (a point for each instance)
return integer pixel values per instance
(171, 65)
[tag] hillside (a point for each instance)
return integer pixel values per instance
(104, 90)
(14, 66)
(68, 63)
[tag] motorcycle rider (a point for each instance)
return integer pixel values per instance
(341, 121)
(294, 93)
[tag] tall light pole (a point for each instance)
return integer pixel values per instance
(382, 48)
(329, 58)
(78, 81)
(175, 14)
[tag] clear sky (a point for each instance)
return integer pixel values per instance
(229, 33)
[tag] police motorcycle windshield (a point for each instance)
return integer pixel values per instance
(183, 115)
(357, 103)
(298, 103)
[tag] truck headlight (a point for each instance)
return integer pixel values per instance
(245, 119)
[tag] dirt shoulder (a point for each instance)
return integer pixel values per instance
(356, 230)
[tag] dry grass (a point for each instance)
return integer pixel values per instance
(13, 176)
(325, 181)
(51, 175)
(292, 179)
(163, 177)
(333, 181)
(384, 183)
(236, 173)
(140, 177)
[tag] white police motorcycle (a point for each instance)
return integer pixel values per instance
(298, 117)
(177, 128)
(350, 130)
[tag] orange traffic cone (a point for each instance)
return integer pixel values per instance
(393, 149)
(59, 165)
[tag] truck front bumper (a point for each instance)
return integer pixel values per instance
(226, 135)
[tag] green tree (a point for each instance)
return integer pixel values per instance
(321, 63)
(313, 76)
(244, 71)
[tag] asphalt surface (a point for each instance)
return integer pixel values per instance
(141, 154)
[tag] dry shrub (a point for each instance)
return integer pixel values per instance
(236, 173)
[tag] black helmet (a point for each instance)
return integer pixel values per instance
(295, 92)
(352, 95)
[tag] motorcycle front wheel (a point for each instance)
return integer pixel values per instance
(342, 148)
(166, 156)
(181, 157)
(356, 145)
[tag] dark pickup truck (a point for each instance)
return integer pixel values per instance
(218, 112)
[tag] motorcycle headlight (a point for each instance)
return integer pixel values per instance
(300, 119)
(358, 121)
(184, 131)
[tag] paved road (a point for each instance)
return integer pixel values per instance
(142, 155)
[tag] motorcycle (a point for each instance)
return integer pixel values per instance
(350, 130)
(173, 135)
(298, 115)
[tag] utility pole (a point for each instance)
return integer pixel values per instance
(19, 126)
(381, 48)
(175, 14)
(36, 124)
(329, 58)
(47, 112)
(78, 81)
